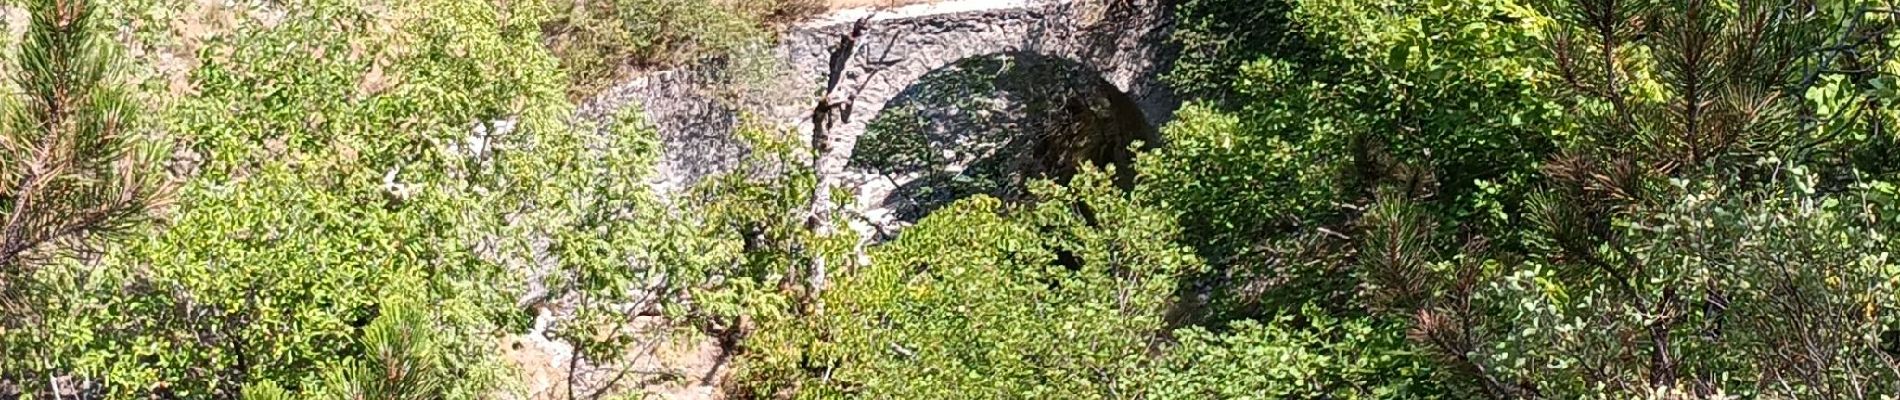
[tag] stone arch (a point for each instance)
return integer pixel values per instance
(899, 49)
(696, 111)
(989, 123)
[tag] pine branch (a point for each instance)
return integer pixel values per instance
(86, 175)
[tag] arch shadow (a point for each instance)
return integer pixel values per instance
(989, 124)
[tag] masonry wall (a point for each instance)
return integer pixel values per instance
(696, 109)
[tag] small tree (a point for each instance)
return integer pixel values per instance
(71, 168)
(1691, 240)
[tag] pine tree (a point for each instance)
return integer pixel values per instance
(72, 168)
(71, 171)
(1691, 114)
(402, 362)
(402, 359)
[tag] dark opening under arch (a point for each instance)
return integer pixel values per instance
(990, 124)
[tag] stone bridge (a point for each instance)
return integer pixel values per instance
(697, 109)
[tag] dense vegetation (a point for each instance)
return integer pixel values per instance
(1499, 199)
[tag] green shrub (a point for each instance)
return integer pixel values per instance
(1059, 299)
(1782, 281)
(314, 199)
(1310, 355)
(402, 362)
(1432, 99)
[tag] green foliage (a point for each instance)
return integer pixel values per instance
(597, 39)
(1788, 287)
(1309, 355)
(1232, 183)
(1363, 199)
(595, 230)
(266, 391)
(314, 190)
(401, 362)
(1061, 298)
(1668, 250)
(75, 164)
(1480, 169)
(703, 259)
(761, 204)
(75, 167)
(1431, 99)
(1219, 36)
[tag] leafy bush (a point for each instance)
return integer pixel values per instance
(1319, 357)
(1482, 170)
(1432, 99)
(1783, 294)
(333, 156)
(402, 362)
(1062, 298)
(1217, 37)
